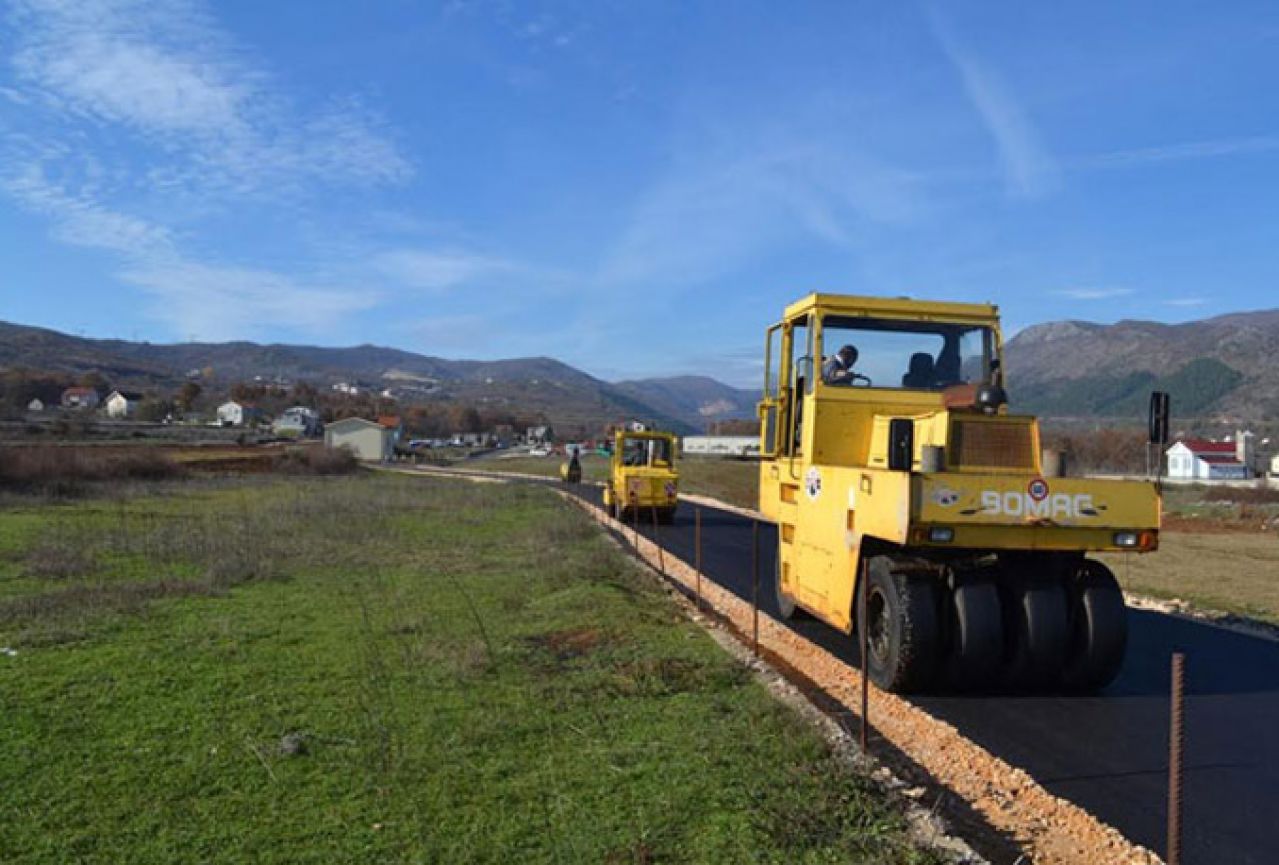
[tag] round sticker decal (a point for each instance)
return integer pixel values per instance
(813, 483)
(1038, 489)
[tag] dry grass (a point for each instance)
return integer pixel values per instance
(1234, 573)
(64, 471)
(316, 460)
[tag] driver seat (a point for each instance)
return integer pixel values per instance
(921, 372)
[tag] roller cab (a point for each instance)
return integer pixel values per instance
(643, 478)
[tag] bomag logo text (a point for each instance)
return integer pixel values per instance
(1016, 504)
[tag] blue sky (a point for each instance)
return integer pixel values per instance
(636, 188)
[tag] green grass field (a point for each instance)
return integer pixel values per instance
(384, 669)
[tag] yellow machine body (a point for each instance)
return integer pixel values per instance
(643, 474)
(826, 481)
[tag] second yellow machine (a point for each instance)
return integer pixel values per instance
(892, 467)
(642, 477)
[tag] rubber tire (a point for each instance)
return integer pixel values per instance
(1038, 635)
(1098, 629)
(975, 656)
(910, 661)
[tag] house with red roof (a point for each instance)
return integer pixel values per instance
(80, 397)
(1203, 460)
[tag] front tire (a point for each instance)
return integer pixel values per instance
(1035, 615)
(1098, 628)
(976, 649)
(901, 618)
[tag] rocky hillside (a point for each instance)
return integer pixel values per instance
(1225, 367)
(566, 395)
(698, 399)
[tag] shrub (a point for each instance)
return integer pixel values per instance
(317, 461)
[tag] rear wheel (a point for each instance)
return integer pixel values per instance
(976, 635)
(900, 623)
(1037, 634)
(1098, 628)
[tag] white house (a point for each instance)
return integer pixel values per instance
(298, 421)
(1198, 459)
(1274, 466)
(80, 397)
(232, 413)
(539, 435)
(122, 404)
(369, 441)
(36, 404)
(722, 446)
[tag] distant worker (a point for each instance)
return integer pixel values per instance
(838, 369)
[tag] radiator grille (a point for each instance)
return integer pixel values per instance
(992, 444)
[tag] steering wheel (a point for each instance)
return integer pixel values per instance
(857, 376)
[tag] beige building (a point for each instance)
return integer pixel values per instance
(369, 441)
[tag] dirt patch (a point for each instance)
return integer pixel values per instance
(570, 644)
(1217, 525)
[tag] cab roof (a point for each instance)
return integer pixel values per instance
(894, 307)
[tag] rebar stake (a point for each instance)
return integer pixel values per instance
(1176, 748)
(661, 557)
(864, 627)
(697, 552)
(755, 582)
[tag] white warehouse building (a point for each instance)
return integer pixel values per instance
(722, 446)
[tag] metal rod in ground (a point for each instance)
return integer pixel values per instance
(635, 520)
(755, 583)
(697, 552)
(863, 625)
(661, 558)
(1176, 747)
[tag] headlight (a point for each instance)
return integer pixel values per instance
(1129, 540)
(941, 534)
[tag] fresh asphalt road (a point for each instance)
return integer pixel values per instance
(1107, 753)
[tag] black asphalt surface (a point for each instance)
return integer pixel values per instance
(1107, 753)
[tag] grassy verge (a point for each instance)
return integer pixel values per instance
(377, 669)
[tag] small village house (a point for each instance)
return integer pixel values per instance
(539, 435)
(1203, 460)
(36, 404)
(368, 440)
(298, 421)
(80, 398)
(393, 423)
(232, 413)
(122, 404)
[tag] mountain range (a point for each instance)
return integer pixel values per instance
(565, 395)
(1223, 368)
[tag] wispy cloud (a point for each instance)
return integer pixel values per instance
(1093, 293)
(438, 270)
(1186, 301)
(166, 72)
(1029, 170)
(1180, 152)
(716, 209)
(203, 122)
